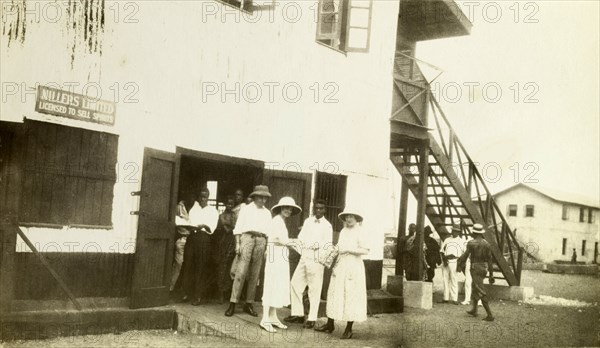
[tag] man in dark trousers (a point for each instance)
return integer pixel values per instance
(432, 254)
(480, 252)
(409, 262)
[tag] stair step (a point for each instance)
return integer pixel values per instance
(449, 216)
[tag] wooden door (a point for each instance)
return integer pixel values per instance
(156, 229)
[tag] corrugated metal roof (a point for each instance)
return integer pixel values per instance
(557, 195)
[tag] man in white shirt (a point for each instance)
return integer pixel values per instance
(250, 231)
(468, 279)
(315, 237)
(197, 253)
(452, 248)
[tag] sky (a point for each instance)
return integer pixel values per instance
(532, 113)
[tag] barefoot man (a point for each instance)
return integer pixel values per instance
(480, 253)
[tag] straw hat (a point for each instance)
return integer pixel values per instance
(286, 202)
(478, 228)
(261, 190)
(354, 212)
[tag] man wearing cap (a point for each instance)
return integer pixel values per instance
(452, 249)
(479, 251)
(250, 231)
(315, 237)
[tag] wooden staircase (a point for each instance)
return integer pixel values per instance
(455, 190)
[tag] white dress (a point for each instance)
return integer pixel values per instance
(276, 290)
(347, 294)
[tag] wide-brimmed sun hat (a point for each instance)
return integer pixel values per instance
(286, 202)
(478, 228)
(350, 211)
(261, 190)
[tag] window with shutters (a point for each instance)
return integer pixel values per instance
(345, 25)
(68, 176)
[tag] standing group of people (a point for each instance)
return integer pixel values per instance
(204, 246)
(456, 254)
(246, 235)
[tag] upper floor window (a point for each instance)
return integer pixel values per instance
(345, 25)
(590, 216)
(512, 210)
(565, 212)
(582, 214)
(529, 210)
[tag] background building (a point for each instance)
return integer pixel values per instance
(550, 224)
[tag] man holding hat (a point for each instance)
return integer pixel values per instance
(480, 253)
(250, 231)
(452, 249)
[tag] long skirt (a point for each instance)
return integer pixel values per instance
(347, 294)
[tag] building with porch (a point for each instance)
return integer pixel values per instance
(111, 110)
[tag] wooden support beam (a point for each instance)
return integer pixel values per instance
(401, 226)
(421, 208)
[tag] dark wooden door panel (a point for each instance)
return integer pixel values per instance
(156, 229)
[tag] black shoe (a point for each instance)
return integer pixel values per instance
(248, 309)
(325, 328)
(196, 302)
(183, 299)
(347, 335)
(229, 312)
(473, 313)
(309, 324)
(294, 319)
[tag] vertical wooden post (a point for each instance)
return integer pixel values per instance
(401, 225)
(421, 205)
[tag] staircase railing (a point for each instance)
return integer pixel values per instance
(467, 173)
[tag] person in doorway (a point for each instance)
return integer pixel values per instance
(452, 249)
(225, 248)
(314, 238)
(197, 253)
(432, 254)
(479, 251)
(574, 256)
(183, 230)
(276, 290)
(238, 200)
(347, 293)
(250, 235)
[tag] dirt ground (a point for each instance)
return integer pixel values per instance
(517, 324)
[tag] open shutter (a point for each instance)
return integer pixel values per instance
(358, 28)
(156, 229)
(329, 22)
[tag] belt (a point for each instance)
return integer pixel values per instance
(256, 234)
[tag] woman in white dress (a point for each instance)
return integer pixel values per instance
(347, 294)
(276, 290)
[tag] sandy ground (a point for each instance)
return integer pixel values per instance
(517, 324)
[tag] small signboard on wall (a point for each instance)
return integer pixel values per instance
(57, 102)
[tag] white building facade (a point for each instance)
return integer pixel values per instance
(551, 224)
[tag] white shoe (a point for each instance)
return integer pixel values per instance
(465, 303)
(268, 327)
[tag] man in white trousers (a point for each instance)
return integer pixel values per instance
(468, 279)
(315, 238)
(452, 248)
